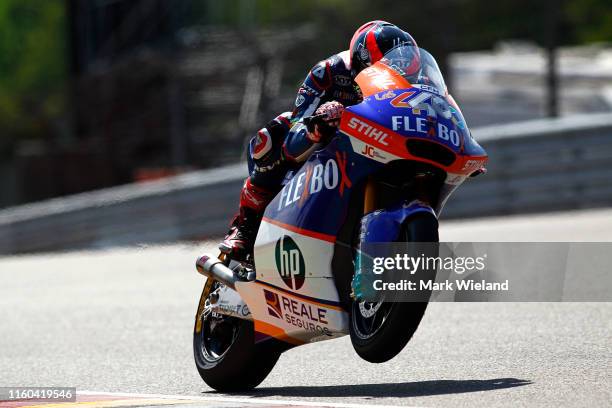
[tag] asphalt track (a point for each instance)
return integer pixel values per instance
(120, 321)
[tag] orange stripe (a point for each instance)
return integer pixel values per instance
(276, 332)
(302, 231)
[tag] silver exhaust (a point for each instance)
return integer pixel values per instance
(212, 267)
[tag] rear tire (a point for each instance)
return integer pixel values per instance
(397, 321)
(226, 355)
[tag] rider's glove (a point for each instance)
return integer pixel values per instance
(331, 112)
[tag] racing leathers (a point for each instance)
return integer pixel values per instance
(284, 144)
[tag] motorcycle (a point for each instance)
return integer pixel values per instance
(384, 177)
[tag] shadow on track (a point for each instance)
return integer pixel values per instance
(397, 390)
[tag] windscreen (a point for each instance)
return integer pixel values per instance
(417, 66)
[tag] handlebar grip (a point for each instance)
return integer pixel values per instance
(311, 121)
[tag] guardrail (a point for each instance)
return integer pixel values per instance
(542, 165)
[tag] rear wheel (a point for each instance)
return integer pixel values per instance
(380, 330)
(226, 355)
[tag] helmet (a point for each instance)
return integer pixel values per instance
(405, 60)
(373, 40)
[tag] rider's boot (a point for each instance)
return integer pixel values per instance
(238, 243)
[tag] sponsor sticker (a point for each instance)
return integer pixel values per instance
(232, 309)
(319, 71)
(421, 125)
(330, 175)
(299, 100)
(342, 80)
(427, 88)
(297, 313)
(472, 165)
(372, 152)
(290, 262)
(363, 53)
(368, 130)
(386, 95)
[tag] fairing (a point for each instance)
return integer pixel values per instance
(385, 225)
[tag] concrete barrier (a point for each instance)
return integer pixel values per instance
(542, 165)
(189, 206)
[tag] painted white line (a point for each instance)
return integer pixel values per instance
(253, 400)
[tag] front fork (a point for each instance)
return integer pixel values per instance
(384, 225)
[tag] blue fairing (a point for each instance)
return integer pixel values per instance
(385, 225)
(432, 110)
(317, 196)
(381, 226)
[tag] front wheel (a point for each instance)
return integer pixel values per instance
(380, 330)
(226, 355)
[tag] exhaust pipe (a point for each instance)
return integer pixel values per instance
(213, 268)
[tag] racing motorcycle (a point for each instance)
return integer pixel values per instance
(384, 177)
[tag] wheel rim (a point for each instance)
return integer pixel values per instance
(369, 317)
(219, 332)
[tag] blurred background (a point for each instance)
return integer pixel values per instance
(102, 93)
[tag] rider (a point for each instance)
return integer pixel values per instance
(285, 143)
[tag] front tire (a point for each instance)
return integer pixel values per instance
(226, 355)
(380, 330)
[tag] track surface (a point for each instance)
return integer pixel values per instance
(120, 320)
